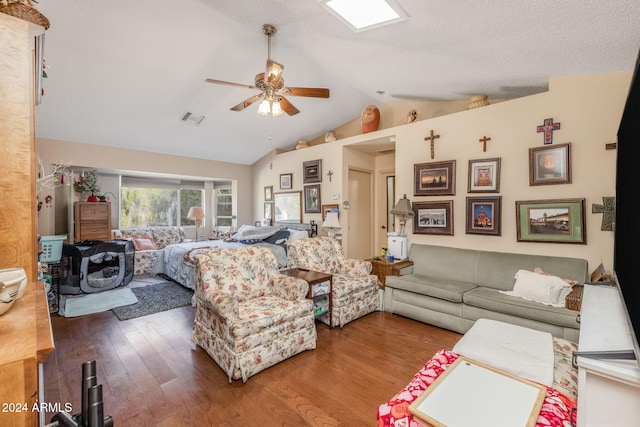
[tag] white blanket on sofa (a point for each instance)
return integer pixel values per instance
(521, 351)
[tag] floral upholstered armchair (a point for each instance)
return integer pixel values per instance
(248, 316)
(354, 290)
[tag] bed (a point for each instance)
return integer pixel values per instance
(177, 260)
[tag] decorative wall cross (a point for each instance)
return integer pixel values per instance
(608, 209)
(548, 127)
(431, 138)
(329, 175)
(484, 140)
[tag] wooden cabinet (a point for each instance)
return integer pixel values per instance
(92, 221)
(608, 390)
(26, 342)
(25, 329)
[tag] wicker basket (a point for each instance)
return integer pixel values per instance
(23, 9)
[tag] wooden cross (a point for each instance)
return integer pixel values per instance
(548, 127)
(608, 209)
(431, 138)
(484, 140)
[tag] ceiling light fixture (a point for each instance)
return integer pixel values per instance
(360, 15)
(270, 106)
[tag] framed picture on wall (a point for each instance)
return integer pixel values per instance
(484, 176)
(550, 164)
(312, 171)
(329, 208)
(483, 215)
(551, 221)
(312, 198)
(435, 178)
(433, 217)
(286, 181)
(268, 193)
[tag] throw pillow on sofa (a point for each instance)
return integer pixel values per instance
(142, 244)
(545, 289)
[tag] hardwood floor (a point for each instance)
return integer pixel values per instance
(153, 375)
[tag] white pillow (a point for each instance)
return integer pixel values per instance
(549, 290)
(297, 234)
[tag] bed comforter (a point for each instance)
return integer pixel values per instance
(176, 261)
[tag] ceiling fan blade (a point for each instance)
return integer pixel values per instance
(314, 92)
(244, 104)
(274, 70)
(288, 107)
(222, 82)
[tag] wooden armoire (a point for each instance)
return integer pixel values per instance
(25, 329)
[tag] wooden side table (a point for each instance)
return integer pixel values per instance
(320, 285)
(382, 268)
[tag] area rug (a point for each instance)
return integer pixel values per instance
(155, 298)
(98, 302)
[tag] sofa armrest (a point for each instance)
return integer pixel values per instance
(288, 287)
(356, 266)
(221, 304)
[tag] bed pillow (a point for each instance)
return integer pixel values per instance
(142, 244)
(278, 238)
(251, 234)
(297, 234)
(549, 290)
(568, 281)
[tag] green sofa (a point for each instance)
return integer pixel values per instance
(452, 288)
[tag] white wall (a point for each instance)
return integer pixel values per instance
(589, 109)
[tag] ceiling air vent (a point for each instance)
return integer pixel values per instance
(192, 119)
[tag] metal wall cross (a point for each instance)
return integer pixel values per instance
(608, 209)
(547, 128)
(431, 138)
(484, 140)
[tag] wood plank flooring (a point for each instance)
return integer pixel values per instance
(153, 375)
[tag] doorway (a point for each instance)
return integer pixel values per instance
(360, 217)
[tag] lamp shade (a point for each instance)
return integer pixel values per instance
(195, 212)
(331, 220)
(403, 207)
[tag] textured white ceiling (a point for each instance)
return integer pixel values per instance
(122, 73)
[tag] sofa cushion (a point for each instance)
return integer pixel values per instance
(498, 269)
(446, 289)
(165, 236)
(492, 299)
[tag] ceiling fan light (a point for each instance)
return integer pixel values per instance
(264, 108)
(276, 109)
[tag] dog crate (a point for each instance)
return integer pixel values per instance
(94, 266)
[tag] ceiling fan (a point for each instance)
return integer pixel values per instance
(272, 86)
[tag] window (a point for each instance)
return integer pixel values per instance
(224, 199)
(158, 202)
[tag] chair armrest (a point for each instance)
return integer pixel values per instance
(288, 287)
(356, 266)
(222, 304)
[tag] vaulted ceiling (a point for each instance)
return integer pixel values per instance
(122, 73)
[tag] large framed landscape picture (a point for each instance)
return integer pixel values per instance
(435, 178)
(551, 221)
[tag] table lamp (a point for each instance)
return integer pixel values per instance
(197, 214)
(331, 223)
(403, 209)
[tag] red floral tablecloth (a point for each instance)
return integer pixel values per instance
(555, 411)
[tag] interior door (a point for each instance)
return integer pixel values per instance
(360, 217)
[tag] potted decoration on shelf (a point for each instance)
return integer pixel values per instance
(88, 183)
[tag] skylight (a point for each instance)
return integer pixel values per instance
(362, 15)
